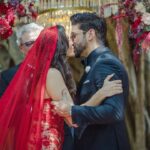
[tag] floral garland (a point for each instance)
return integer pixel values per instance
(139, 28)
(9, 11)
(139, 20)
(6, 21)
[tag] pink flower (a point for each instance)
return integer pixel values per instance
(146, 43)
(10, 17)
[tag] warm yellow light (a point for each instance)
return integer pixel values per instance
(53, 17)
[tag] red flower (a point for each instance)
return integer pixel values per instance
(21, 10)
(34, 14)
(3, 8)
(10, 17)
(5, 29)
(136, 23)
(141, 37)
(129, 3)
(7, 16)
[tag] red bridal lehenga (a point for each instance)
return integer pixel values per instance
(51, 130)
(27, 120)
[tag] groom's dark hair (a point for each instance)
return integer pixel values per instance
(88, 21)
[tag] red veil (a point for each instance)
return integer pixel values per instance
(22, 102)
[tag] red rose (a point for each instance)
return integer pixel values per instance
(10, 17)
(5, 29)
(136, 23)
(21, 10)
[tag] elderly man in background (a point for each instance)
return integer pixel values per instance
(26, 36)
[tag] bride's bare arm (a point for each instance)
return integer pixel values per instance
(55, 85)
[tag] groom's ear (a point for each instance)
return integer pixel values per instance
(91, 34)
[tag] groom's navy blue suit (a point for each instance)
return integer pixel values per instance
(101, 127)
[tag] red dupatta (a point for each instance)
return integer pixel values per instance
(22, 102)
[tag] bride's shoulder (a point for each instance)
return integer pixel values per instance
(53, 72)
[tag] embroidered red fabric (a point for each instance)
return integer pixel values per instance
(23, 110)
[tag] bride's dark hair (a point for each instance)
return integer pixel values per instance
(60, 60)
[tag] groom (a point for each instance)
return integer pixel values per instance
(99, 127)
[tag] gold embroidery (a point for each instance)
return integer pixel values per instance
(46, 108)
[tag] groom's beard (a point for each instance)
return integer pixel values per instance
(78, 49)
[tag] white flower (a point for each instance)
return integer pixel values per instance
(140, 7)
(87, 69)
(146, 18)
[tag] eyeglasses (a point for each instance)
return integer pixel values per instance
(28, 44)
(74, 35)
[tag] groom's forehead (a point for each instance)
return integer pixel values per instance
(75, 28)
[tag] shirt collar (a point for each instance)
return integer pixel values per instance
(90, 60)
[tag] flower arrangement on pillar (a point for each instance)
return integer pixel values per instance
(6, 20)
(9, 11)
(139, 28)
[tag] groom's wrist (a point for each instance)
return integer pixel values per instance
(69, 118)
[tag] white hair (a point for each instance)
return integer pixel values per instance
(31, 27)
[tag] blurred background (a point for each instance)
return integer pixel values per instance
(128, 35)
